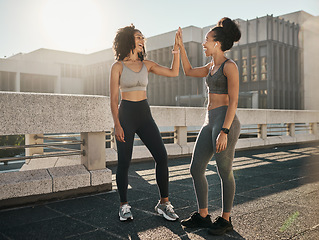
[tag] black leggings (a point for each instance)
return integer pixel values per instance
(135, 117)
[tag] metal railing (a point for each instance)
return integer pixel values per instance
(303, 127)
(62, 140)
(59, 144)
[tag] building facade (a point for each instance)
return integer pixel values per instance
(276, 58)
(51, 71)
(268, 59)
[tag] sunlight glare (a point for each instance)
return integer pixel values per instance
(72, 25)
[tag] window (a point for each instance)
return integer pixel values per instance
(253, 61)
(37, 83)
(262, 99)
(263, 62)
(263, 68)
(244, 54)
(7, 81)
(235, 56)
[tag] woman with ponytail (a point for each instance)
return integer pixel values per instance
(220, 132)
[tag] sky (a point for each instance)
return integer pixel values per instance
(86, 26)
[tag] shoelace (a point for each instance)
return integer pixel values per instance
(170, 208)
(126, 209)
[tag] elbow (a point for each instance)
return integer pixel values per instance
(233, 103)
(187, 72)
(175, 74)
(114, 101)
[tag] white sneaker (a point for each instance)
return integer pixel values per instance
(166, 210)
(125, 213)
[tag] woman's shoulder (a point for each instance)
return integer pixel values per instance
(149, 64)
(117, 65)
(230, 64)
(230, 67)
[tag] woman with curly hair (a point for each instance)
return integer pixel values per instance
(220, 132)
(129, 78)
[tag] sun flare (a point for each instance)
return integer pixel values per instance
(72, 25)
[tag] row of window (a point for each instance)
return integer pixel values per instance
(255, 63)
(37, 83)
(7, 80)
(28, 82)
(253, 67)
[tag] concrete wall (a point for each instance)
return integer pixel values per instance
(310, 63)
(23, 113)
(31, 113)
(308, 42)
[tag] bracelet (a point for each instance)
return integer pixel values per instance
(175, 51)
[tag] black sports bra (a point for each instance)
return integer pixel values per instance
(217, 83)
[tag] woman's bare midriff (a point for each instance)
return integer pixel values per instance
(134, 96)
(217, 100)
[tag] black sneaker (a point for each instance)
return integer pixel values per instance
(196, 220)
(220, 226)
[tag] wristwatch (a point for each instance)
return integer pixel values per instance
(225, 130)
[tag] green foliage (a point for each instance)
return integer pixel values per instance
(14, 140)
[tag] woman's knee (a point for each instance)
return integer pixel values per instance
(196, 171)
(161, 160)
(225, 172)
(123, 165)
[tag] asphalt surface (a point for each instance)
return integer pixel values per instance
(277, 197)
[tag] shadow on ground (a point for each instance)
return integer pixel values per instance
(276, 198)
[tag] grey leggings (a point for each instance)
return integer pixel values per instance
(205, 148)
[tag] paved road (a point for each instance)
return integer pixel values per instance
(276, 198)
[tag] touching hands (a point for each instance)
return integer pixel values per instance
(179, 37)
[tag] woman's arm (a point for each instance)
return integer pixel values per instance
(173, 71)
(188, 69)
(231, 72)
(114, 99)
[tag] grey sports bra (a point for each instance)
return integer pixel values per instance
(133, 81)
(217, 83)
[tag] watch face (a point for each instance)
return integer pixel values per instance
(225, 130)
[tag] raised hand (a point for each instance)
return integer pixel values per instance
(179, 36)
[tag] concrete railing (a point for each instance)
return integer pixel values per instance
(33, 114)
(183, 118)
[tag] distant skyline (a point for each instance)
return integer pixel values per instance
(86, 26)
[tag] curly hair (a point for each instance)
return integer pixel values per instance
(124, 43)
(226, 32)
